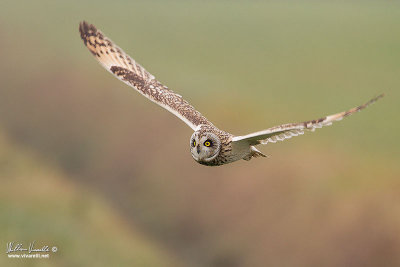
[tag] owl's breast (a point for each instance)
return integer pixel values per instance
(229, 153)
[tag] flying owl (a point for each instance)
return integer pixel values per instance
(208, 144)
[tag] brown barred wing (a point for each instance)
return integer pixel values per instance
(286, 131)
(121, 65)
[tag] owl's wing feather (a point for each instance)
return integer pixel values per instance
(286, 131)
(122, 66)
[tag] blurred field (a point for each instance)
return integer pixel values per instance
(39, 204)
(329, 198)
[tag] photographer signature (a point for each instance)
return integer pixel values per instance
(18, 247)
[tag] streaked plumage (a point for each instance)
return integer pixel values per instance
(208, 144)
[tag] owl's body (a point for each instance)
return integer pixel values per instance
(228, 151)
(208, 145)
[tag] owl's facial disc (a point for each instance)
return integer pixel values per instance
(204, 146)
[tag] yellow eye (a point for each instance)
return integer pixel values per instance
(194, 143)
(207, 143)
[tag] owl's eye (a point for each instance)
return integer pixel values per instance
(208, 143)
(194, 143)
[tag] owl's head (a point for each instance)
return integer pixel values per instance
(204, 146)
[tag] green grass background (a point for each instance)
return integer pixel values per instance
(329, 198)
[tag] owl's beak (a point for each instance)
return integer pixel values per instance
(198, 149)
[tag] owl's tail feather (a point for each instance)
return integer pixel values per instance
(254, 152)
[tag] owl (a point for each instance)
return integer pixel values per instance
(208, 145)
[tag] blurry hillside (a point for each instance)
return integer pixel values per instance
(38, 203)
(328, 198)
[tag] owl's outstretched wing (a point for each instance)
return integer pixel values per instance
(127, 70)
(285, 131)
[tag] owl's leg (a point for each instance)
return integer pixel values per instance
(254, 152)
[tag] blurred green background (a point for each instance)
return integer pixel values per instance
(94, 168)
